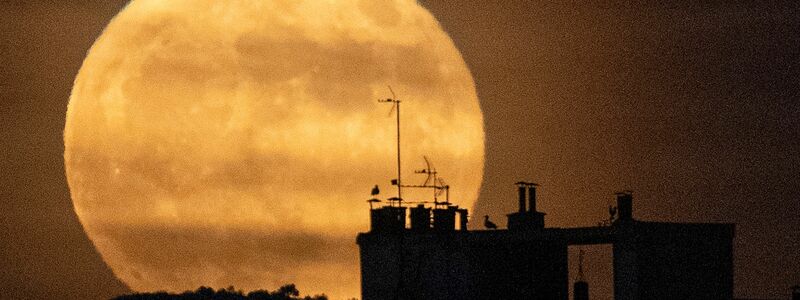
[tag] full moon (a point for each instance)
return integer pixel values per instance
(224, 143)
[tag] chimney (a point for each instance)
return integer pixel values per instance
(463, 217)
(526, 219)
(420, 218)
(625, 206)
(532, 197)
(521, 197)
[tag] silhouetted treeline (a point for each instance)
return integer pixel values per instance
(286, 292)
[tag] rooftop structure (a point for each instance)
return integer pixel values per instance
(435, 256)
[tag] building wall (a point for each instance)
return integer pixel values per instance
(626, 271)
(463, 265)
(673, 261)
(651, 261)
(518, 266)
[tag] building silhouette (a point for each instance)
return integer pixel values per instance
(796, 292)
(580, 290)
(432, 258)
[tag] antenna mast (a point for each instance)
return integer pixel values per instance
(396, 104)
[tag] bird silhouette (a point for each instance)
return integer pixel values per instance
(488, 224)
(376, 190)
(612, 212)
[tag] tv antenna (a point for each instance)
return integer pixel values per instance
(396, 105)
(429, 170)
(433, 181)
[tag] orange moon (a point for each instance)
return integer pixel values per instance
(235, 143)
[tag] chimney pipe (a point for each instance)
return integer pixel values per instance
(532, 197)
(625, 206)
(521, 198)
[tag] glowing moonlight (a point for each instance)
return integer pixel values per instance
(235, 142)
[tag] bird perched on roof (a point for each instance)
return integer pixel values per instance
(376, 190)
(488, 224)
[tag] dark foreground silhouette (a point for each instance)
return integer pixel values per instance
(286, 292)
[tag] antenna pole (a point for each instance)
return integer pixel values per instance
(400, 284)
(399, 182)
(396, 104)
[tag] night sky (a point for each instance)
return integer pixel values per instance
(692, 107)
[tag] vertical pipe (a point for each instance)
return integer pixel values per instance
(521, 198)
(463, 215)
(625, 206)
(532, 198)
(399, 182)
(580, 290)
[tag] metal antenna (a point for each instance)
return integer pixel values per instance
(396, 104)
(401, 261)
(433, 181)
(444, 186)
(431, 172)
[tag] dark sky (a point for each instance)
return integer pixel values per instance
(693, 107)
